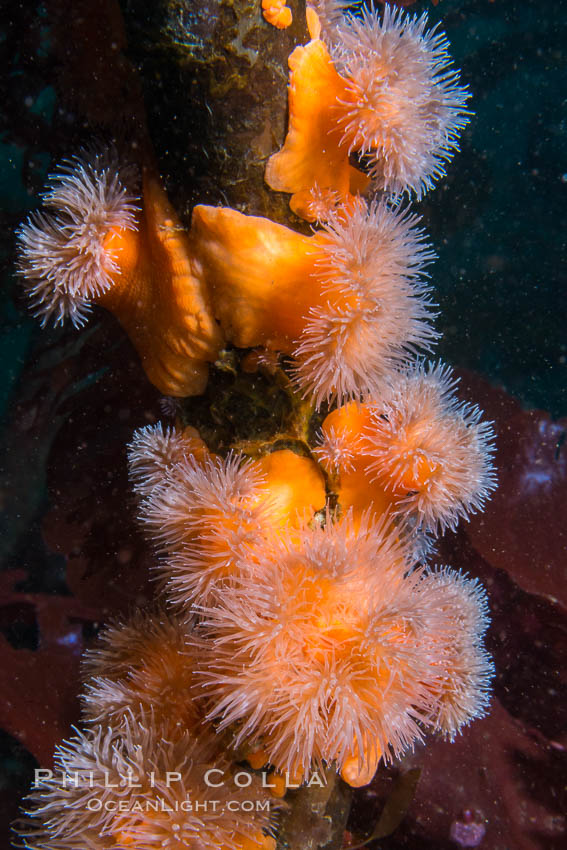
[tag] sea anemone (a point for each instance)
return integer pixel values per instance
(209, 515)
(413, 451)
(462, 669)
(336, 452)
(387, 93)
(340, 437)
(275, 12)
(295, 487)
(136, 787)
(375, 309)
(314, 160)
(341, 454)
(430, 450)
(258, 273)
(349, 302)
(404, 107)
(330, 13)
(155, 450)
(95, 246)
(206, 517)
(69, 256)
(141, 667)
(324, 655)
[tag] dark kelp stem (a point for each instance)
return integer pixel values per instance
(317, 814)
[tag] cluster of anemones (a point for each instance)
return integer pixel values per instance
(349, 304)
(302, 627)
(146, 771)
(317, 637)
(293, 635)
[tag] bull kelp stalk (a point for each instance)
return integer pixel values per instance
(215, 76)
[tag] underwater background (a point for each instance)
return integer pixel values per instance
(72, 555)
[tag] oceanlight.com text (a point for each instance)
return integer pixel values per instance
(160, 804)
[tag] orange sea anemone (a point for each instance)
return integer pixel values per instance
(314, 160)
(209, 516)
(207, 519)
(404, 107)
(94, 245)
(324, 655)
(137, 787)
(387, 92)
(341, 454)
(140, 668)
(295, 485)
(375, 310)
(63, 256)
(414, 451)
(155, 451)
(430, 450)
(349, 302)
(277, 13)
(462, 670)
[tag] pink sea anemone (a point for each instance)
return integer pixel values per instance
(65, 257)
(430, 450)
(136, 787)
(325, 654)
(403, 106)
(375, 310)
